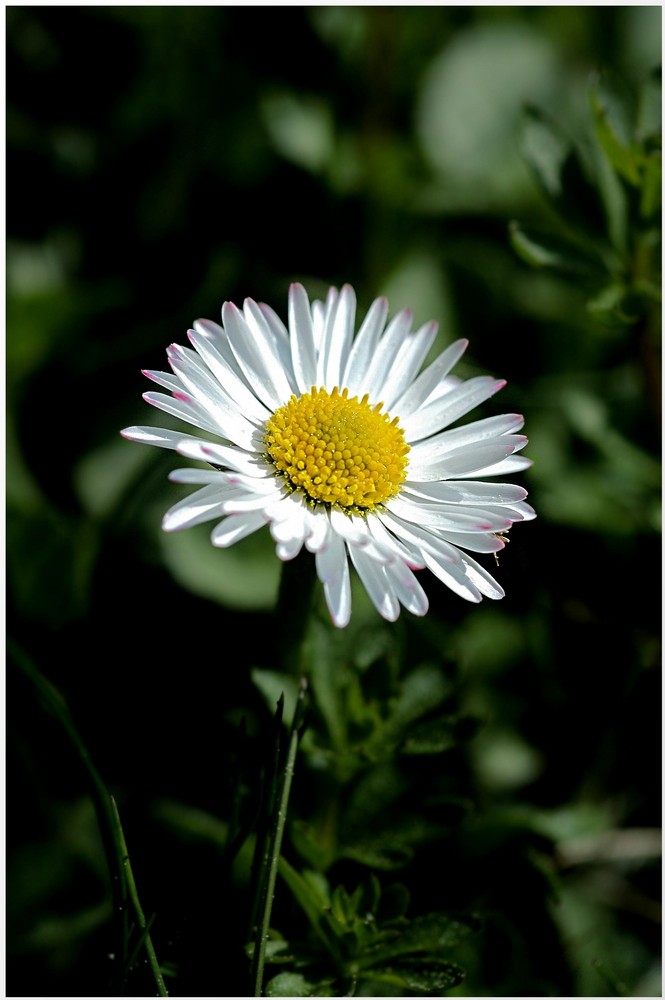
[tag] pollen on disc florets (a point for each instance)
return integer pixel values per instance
(337, 451)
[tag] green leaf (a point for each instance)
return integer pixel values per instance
(325, 655)
(438, 735)
(433, 932)
(608, 304)
(272, 685)
(395, 900)
(244, 577)
(557, 169)
(545, 149)
(612, 133)
(380, 854)
(312, 893)
(650, 109)
(540, 249)
(290, 984)
(309, 846)
(427, 978)
(422, 691)
(437, 931)
(651, 198)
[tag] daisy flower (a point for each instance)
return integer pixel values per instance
(339, 442)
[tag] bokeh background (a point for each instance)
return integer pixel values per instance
(162, 160)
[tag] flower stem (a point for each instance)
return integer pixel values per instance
(279, 824)
(134, 896)
(294, 602)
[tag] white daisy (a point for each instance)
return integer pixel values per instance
(339, 443)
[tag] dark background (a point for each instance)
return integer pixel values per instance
(163, 160)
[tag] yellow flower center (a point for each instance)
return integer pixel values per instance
(337, 451)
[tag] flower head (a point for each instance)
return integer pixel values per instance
(340, 443)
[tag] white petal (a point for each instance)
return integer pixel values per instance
(419, 391)
(258, 359)
(230, 380)
(337, 337)
(444, 517)
(454, 578)
(401, 551)
(410, 357)
(526, 510)
(453, 438)
(303, 352)
(422, 538)
(257, 321)
(204, 505)
(234, 527)
(200, 476)
(383, 359)
(350, 528)
(161, 437)
(364, 345)
(167, 381)
(333, 570)
(289, 528)
(224, 455)
(247, 502)
(466, 461)
(184, 408)
(211, 397)
(279, 331)
(467, 492)
(474, 542)
(407, 588)
(253, 484)
(319, 531)
(432, 417)
(515, 463)
(485, 583)
(288, 550)
(376, 583)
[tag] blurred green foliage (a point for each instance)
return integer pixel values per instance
(496, 169)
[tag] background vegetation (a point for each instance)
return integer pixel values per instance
(495, 168)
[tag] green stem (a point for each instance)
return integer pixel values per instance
(122, 880)
(276, 845)
(294, 602)
(267, 799)
(134, 896)
(55, 704)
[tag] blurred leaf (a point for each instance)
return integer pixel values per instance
(308, 845)
(312, 893)
(428, 978)
(394, 903)
(470, 102)
(50, 561)
(546, 150)
(438, 735)
(272, 686)
(245, 576)
(435, 932)
(381, 854)
(648, 126)
(301, 128)
(541, 249)
(421, 691)
(612, 129)
(292, 984)
(612, 304)
(652, 186)
(191, 824)
(558, 169)
(325, 654)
